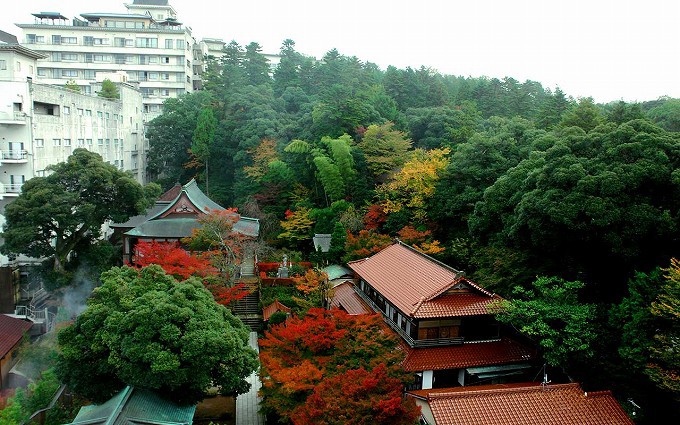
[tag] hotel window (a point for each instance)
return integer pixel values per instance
(40, 173)
(42, 72)
(88, 40)
(101, 41)
(108, 115)
(67, 142)
(180, 44)
(89, 74)
(100, 114)
(119, 41)
(100, 142)
(146, 42)
(56, 39)
(69, 40)
(67, 110)
(89, 142)
(68, 73)
(153, 59)
(88, 112)
(102, 58)
(153, 76)
(168, 44)
(165, 75)
(81, 142)
(3, 64)
(39, 143)
(80, 111)
(165, 59)
(165, 92)
(18, 66)
(73, 57)
(108, 142)
(56, 142)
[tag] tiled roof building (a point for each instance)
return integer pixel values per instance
(174, 216)
(520, 404)
(450, 337)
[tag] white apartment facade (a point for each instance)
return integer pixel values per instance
(41, 124)
(148, 43)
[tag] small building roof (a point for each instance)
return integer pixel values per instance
(322, 241)
(336, 271)
(171, 228)
(8, 38)
(420, 286)
(151, 2)
(467, 355)
(12, 330)
(96, 16)
(273, 308)
(529, 404)
(138, 406)
(346, 298)
(49, 15)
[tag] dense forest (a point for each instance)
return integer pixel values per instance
(504, 179)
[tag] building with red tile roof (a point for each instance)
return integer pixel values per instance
(443, 318)
(273, 308)
(12, 333)
(345, 298)
(521, 404)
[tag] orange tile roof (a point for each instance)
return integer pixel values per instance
(533, 404)
(12, 330)
(454, 305)
(467, 355)
(346, 298)
(273, 308)
(417, 284)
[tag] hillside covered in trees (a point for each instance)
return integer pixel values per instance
(504, 179)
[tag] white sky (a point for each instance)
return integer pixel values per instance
(607, 49)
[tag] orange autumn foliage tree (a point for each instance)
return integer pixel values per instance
(420, 240)
(358, 397)
(365, 244)
(298, 357)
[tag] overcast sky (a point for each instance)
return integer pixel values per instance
(607, 49)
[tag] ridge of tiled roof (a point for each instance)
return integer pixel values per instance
(410, 279)
(12, 330)
(555, 404)
(467, 355)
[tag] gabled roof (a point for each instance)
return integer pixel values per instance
(421, 286)
(346, 298)
(467, 355)
(322, 241)
(273, 308)
(12, 330)
(151, 2)
(135, 406)
(196, 196)
(528, 404)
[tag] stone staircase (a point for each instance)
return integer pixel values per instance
(247, 308)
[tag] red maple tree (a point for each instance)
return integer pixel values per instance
(305, 355)
(183, 264)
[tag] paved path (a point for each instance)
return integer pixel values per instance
(247, 404)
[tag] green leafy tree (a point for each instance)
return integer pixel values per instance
(256, 65)
(72, 85)
(385, 149)
(66, 209)
(144, 328)
(109, 90)
(552, 316)
(585, 115)
(664, 368)
(667, 114)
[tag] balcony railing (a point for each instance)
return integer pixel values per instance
(13, 155)
(434, 342)
(12, 118)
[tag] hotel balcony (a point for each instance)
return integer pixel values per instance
(13, 157)
(10, 190)
(13, 118)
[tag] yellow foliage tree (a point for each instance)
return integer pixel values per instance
(415, 183)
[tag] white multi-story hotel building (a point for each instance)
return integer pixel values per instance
(41, 124)
(148, 43)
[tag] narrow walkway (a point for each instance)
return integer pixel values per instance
(247, 404)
